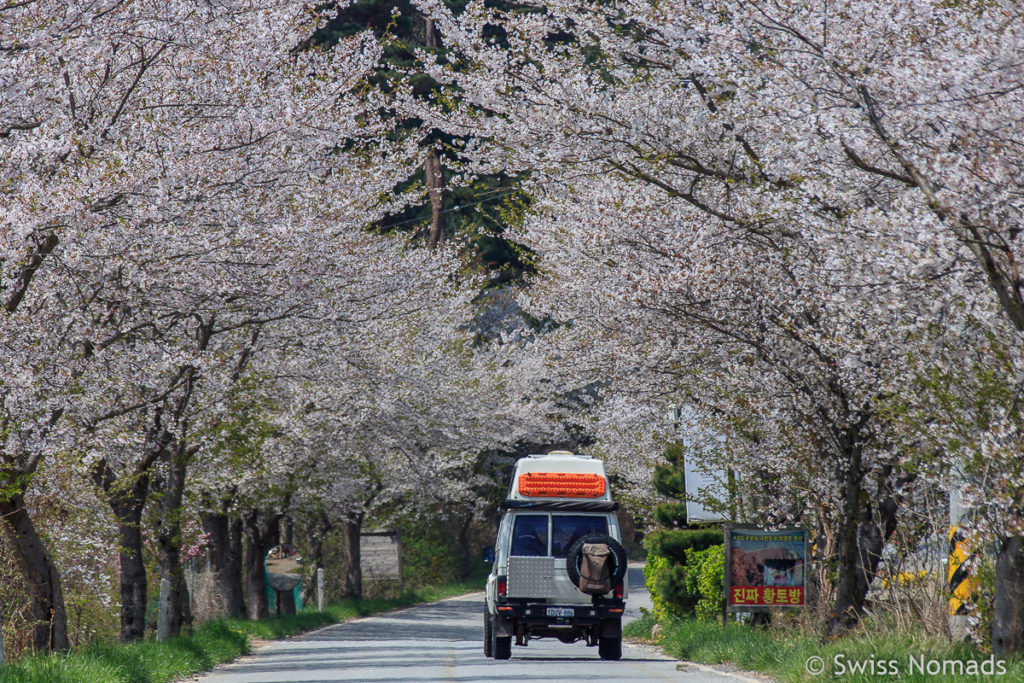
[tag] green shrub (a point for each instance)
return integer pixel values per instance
(427, 555)
(654, 572)
(677, 591)
(430, 553)
(692, 588)
(706, 568)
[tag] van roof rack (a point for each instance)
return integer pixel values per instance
(560, 505)
(569, 453)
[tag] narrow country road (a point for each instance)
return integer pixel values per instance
(443, 641)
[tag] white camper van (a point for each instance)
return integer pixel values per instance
(559, 565)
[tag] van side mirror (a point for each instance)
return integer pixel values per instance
(488, 554)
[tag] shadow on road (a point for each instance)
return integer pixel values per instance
(440, 641)
(439, 621)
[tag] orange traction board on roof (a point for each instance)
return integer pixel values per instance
(561, 485)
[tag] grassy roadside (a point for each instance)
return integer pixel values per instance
(869, 655)
(212, 643)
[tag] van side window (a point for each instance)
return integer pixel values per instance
(566, 529)
(530, 535)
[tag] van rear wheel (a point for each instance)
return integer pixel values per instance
(610, 648)
(488, 633)
(502, 648)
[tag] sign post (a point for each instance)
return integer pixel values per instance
(764, 569)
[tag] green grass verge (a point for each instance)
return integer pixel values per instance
(873, 653)
(212, 643)
(641, 628)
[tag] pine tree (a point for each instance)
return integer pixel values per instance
(475, 214)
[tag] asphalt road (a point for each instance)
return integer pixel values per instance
(443, 641)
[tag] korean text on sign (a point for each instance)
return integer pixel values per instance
(766, 596)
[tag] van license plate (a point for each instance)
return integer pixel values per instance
(560, 611)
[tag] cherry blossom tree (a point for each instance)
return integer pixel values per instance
(395, 415)
(727, 180)
(145, 146)
(802, 223)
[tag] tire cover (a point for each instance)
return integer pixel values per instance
(575, 556)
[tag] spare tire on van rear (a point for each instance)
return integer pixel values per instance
(575, 561)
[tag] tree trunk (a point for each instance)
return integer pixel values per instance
(126, 495)
(1008, 613)
(316, 556)
(849, 594)
(464, 525)
(225, 536)
(127, 499)
(127, 509)
(286, 599)
(818, 588)
(353, 527)
(233, 580)
(285, 602)
(866, 528)
(169, 540)
(877, 529)
(433, 172)
(50, 630)
(260, 531)
(287, 531)
(255, 577)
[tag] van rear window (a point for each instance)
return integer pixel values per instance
(567, 529)
(530, 535)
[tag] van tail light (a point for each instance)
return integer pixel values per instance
(618, 590)
(502, 587)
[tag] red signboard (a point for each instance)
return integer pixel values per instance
(764, 568)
